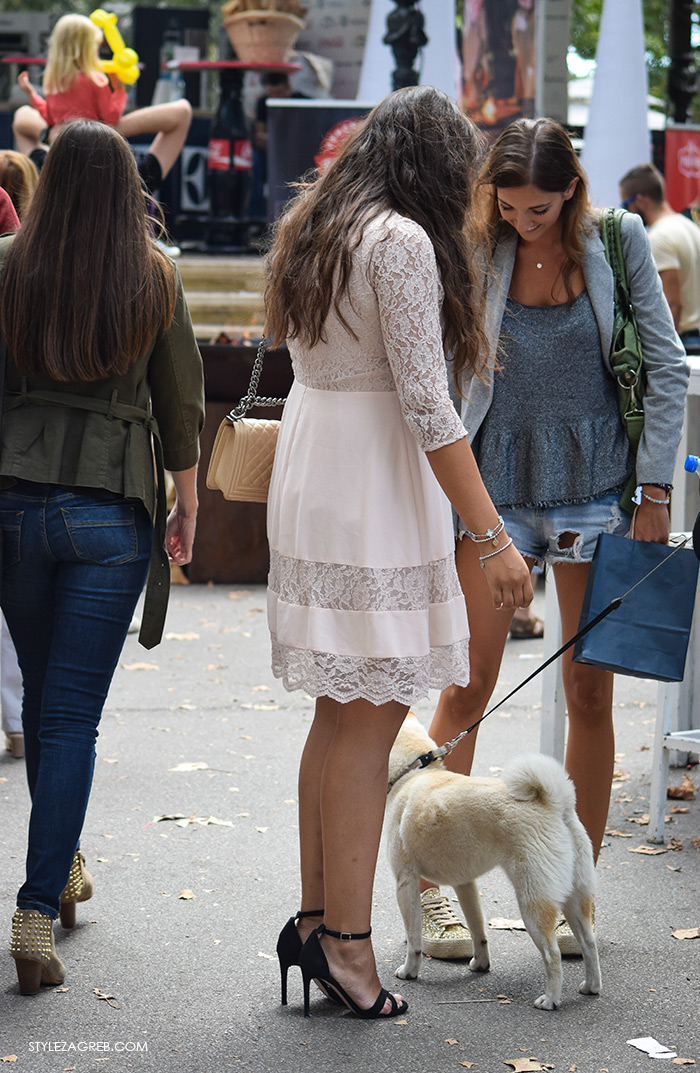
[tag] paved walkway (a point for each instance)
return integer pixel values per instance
(172, 964)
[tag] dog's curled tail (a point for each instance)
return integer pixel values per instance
(535, 777)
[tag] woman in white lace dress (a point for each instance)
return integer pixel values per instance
(367, 284)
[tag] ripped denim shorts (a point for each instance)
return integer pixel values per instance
(537, 532)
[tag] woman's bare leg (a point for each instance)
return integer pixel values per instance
(27, 127)
(171, 121)
(461, 706)
(342, 797)
(590, 748)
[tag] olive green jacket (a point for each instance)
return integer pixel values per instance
(105, 434)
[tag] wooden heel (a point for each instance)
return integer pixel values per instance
(29, 976)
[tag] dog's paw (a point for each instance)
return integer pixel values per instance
(587, 988)
(544, 1002)
(404, 972)
(479, 964)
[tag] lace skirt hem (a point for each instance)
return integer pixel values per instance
(347, 678)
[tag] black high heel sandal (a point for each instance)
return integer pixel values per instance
(314, 966)
(289, 946)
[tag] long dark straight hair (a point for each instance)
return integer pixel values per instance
(539, 152)
(85, 289)
(416, 153)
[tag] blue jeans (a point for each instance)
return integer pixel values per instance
(73, 566)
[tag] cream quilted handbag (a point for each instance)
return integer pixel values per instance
(244, 449)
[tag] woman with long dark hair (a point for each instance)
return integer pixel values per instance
(546, 430)
(370, 279)
(102, 370)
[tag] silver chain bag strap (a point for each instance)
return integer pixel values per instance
(244, 448)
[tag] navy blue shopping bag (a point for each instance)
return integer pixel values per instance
(647, 635)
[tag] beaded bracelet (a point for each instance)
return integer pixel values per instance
(483, 558)
(490, 534)
(653, 499)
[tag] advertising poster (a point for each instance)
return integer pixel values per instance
(337, 30)
(498, 60)
(682, 165)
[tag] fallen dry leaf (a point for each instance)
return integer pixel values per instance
(618, 834)
(675, 809)
(9, 1058)
(504, 924)
(195, 765)
(404, 1022)
(452, 1042)
(642, 820)
(186, 895)
(686, 791)
(696, 843)
(675, 844)
(524, 1065)
(58, 990)
(686, 933)
(105, 997)
(467, 1064)
(181, 636)
(620, 776)
(649, 851)
(140, 666)
(683, 1062)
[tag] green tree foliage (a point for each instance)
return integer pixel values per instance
(585, 20)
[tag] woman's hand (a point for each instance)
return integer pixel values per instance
(179, 535)
(651, 520)
(24, 83)
(508, 579)
(182, 520)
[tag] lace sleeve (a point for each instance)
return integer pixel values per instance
(405, 278)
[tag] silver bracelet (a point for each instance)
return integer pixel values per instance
(490, 534)
(483, 558)
(652, 499)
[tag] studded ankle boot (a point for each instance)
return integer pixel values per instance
(79, 888)
(32, 947)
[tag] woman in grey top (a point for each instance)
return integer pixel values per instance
(547, 435)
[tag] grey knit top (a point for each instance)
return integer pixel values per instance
(553, 433)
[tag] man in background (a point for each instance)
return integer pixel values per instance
(675, 245)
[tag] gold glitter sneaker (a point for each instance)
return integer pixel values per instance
(79, 888)
(32, 947)
(444, 934)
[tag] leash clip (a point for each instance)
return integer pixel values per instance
(432, 756)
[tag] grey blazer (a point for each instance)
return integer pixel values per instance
(664, 357)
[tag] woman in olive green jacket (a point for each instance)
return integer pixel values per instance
(103, 377)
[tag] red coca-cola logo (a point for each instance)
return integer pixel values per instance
(220, 158)
(334, 140)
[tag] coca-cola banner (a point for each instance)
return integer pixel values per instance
(682, 165)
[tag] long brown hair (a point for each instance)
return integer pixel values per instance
(539, 152)
(85, 290)
(18, 177)
(416, 154)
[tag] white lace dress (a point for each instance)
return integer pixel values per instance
(363, 597)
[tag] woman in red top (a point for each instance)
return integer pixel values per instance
(76, 87)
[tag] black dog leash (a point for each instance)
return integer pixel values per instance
(444, 750)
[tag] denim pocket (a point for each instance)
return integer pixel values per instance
(10, 529)
(102, 532)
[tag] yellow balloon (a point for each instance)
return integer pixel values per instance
(124, 62)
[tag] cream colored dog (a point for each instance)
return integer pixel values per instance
(452, 828)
